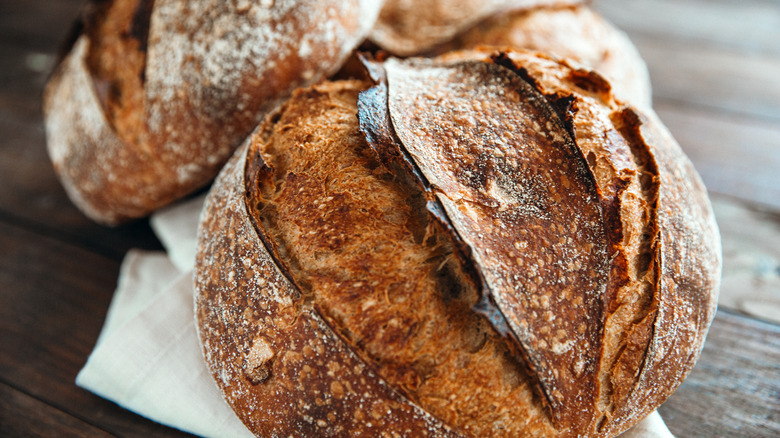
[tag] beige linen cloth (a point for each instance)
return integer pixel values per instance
(148, 359)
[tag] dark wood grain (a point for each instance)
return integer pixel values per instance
(734, 390)
(23, 73)
(22, 415)
(734, 82)
(720, 54)
(53, 299)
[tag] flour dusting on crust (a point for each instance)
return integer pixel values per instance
(250, 315)
(213, 69)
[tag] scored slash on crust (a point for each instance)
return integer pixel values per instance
(505, 190)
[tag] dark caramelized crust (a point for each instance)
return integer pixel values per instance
(642, 177)
(494, 153)
(359, 243)
(486, 244)
(116, 59)
(281, 367)
(155, 96)
(627, 176)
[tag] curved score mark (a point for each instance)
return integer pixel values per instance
(517, 196)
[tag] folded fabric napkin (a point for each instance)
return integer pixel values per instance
(148, 359)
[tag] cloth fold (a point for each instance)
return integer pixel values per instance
(148, 358)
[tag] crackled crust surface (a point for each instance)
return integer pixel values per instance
(356, 240)
(156, 94)
(512, 183)
(656, 210)
(274, 354)
(422, 262)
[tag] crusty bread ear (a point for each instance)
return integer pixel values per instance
(156, 94)
(494, 246)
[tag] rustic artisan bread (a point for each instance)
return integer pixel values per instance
(484, 244)
(574, 32)
(155, 95)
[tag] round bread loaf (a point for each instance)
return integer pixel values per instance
(483, 244)
(155, 95)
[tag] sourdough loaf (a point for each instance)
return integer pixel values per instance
(484, 244)
(155, 95)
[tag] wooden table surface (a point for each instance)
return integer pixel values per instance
(715, 66)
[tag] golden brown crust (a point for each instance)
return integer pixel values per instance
(482, 139)
(689, 265)
(177, 85)
(574, 32)
(385, 277)
(86, 151)
(484, 194)
(412, 27)
(116, 60)
(279, 363)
